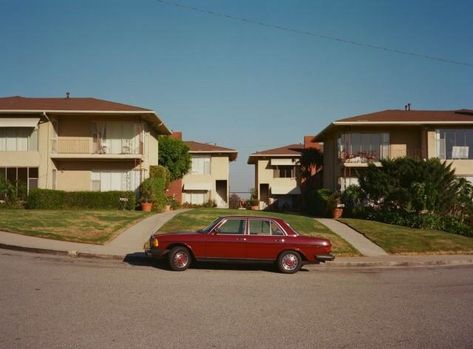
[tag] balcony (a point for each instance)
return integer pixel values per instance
(363, 158)
(86, 148)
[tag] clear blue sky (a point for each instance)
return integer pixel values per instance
(236, 84)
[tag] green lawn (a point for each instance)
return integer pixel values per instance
(200, 218)
(403, 240)
(94, 227)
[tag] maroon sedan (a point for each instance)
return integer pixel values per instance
(246, 238)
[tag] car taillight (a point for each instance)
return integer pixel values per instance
(154, 242)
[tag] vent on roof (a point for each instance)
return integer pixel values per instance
(407, 107)
(67, 95)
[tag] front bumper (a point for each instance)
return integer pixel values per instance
(155, 252)
(322, 258)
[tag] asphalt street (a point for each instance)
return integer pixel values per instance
(63, 302)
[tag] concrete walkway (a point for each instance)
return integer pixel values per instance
(357, 240)
(128, 242)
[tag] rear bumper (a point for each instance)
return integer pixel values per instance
(322, 258)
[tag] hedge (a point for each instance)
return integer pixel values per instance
(58, 199)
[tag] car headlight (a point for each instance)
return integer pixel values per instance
(154, 242)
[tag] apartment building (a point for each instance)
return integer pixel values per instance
(352, 143)
(77, 144)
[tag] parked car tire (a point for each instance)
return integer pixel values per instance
(179, 258)
(289, 262)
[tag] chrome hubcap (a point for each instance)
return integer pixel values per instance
(181, 259)
(290, 262)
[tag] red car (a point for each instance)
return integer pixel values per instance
(246, 238)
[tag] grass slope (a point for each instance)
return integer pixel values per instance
(403, 240)
(94, 227)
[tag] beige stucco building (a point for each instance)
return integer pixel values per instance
(77, 144)
(208, 178)
(351, 144)
(277, 181)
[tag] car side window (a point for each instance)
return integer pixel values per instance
(276, 230)
(260, 227)
(232, 226)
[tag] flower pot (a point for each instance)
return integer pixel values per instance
(255, 208)
(337, 212)
(146, 206)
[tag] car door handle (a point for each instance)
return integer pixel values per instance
(279, 240)
(241, 239)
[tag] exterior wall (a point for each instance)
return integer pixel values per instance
(404, 141)
(76, 176)
(265, 175)
(219, 170)
(74, 133)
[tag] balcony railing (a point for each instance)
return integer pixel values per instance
(87, 146)
(387, 152)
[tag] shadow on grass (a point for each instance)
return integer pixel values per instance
(141, 259)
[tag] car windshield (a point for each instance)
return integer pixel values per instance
(209, 228)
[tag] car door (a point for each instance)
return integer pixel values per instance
(227, 240)
(265, 240)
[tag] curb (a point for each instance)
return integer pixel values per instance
(331, 265)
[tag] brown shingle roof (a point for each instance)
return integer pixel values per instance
(196, 147)
(69, 104)
(403, 117)
(290, 150)
(412, 116)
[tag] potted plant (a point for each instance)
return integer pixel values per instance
(335, 206)
(147, 195)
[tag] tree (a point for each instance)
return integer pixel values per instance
(174, 155)
(311, 162)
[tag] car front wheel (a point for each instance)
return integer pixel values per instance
(179, 258)
(289, 262)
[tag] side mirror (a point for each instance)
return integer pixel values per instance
(217, 231)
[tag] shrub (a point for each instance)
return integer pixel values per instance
(234, 201)
(318, 202)
(152, 190)
(58, 199)
(160, 172)
(353, 202)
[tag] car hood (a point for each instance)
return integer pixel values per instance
(177, 233)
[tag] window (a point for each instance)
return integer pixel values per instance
(285, 172)
(108, 180)
(200, 164)
(232, 226)
(454, 143)
(260, 227)
(363, 147)
(117, 137)
(196, 197)
(264, 227)
(18, 139)
(23, 178)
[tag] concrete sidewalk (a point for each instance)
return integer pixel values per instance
(128, 242)
(357, 240)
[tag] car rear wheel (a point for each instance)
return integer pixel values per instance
(179, 258)
(289, 262)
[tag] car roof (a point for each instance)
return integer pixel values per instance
(257, 217)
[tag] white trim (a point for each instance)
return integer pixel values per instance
(354, 123)
(276, 155)
(6, 111)
(198, 186)
(19, 122)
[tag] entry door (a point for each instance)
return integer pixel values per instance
(228, 240)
